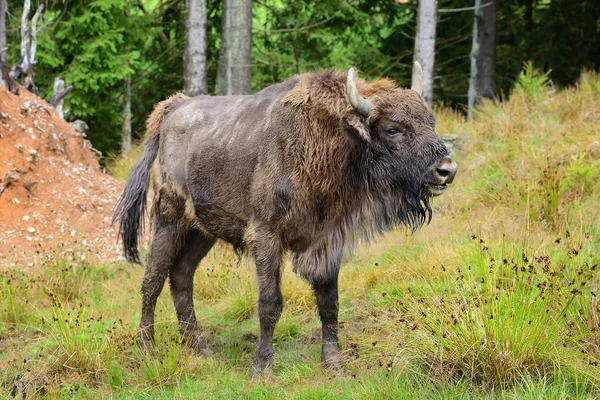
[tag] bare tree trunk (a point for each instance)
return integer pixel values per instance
(3, 10)
(425, 45)
(29, 74)
(483, 54)
(235, 57)
(126, 136)
(60, 91)
(195, 48)
(25, 65)
(6, 81)
(486, 82)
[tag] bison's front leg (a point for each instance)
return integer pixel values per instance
(270, 302)
(326, 292)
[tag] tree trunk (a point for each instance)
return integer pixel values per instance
(126, 135)
(483, 54)
(3, 30)
(23, 65)
(235, 57)
(425, 45)
(60, 91)
(24, 68)
(195, 48)
(486, 82)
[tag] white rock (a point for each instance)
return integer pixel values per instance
(29, 238)
(31, 230)
(73, 232)
(25, 218)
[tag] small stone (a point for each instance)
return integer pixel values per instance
(16, 201)
(25, 217)
(449, 137)
(31, 230)
(73, 232)
(29, 238)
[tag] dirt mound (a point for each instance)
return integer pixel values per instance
(53, 195)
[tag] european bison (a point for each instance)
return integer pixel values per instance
(307, 166)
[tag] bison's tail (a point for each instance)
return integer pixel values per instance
(131, 207)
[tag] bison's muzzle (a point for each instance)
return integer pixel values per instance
(441, 175)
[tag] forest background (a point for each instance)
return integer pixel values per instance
(122, 55)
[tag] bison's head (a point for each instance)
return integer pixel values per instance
(405, 162)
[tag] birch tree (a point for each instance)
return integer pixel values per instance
(425, 46)
(195, 48)
(235, 57)
(126, 128)
(483, 54)
(3, 30)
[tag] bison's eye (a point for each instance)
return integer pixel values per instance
(392, 132)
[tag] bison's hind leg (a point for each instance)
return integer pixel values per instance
(195, 247)
(176, 250)
(164, 251)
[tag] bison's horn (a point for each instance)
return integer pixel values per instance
(417, 83)
(362, 106)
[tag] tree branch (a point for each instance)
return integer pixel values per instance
(307, 27)
(449, 10)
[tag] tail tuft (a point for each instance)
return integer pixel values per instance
(131, 207)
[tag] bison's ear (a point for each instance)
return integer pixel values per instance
(356, 126)
(300, 94)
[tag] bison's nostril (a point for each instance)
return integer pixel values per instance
(443, 172)
(447, 170)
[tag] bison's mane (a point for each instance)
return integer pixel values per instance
(344, 169)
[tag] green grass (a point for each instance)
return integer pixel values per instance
(496, 299)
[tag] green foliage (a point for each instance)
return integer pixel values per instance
(532, 81)
(162, 367)
(509, 315)
(13, 308)
(97, 44)
(83, 343)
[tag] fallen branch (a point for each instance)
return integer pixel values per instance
(9, 178)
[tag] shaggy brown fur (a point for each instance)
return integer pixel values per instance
(292, 168)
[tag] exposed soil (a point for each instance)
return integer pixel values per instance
(53, 195)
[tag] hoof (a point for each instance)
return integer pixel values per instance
(199, 346)
(333, 360)
(265, 374)
(262, 367)
(145, 342)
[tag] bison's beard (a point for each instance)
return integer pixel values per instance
(406, 204)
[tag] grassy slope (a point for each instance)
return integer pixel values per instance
(495, 299)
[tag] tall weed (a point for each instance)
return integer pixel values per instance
(511, 314)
